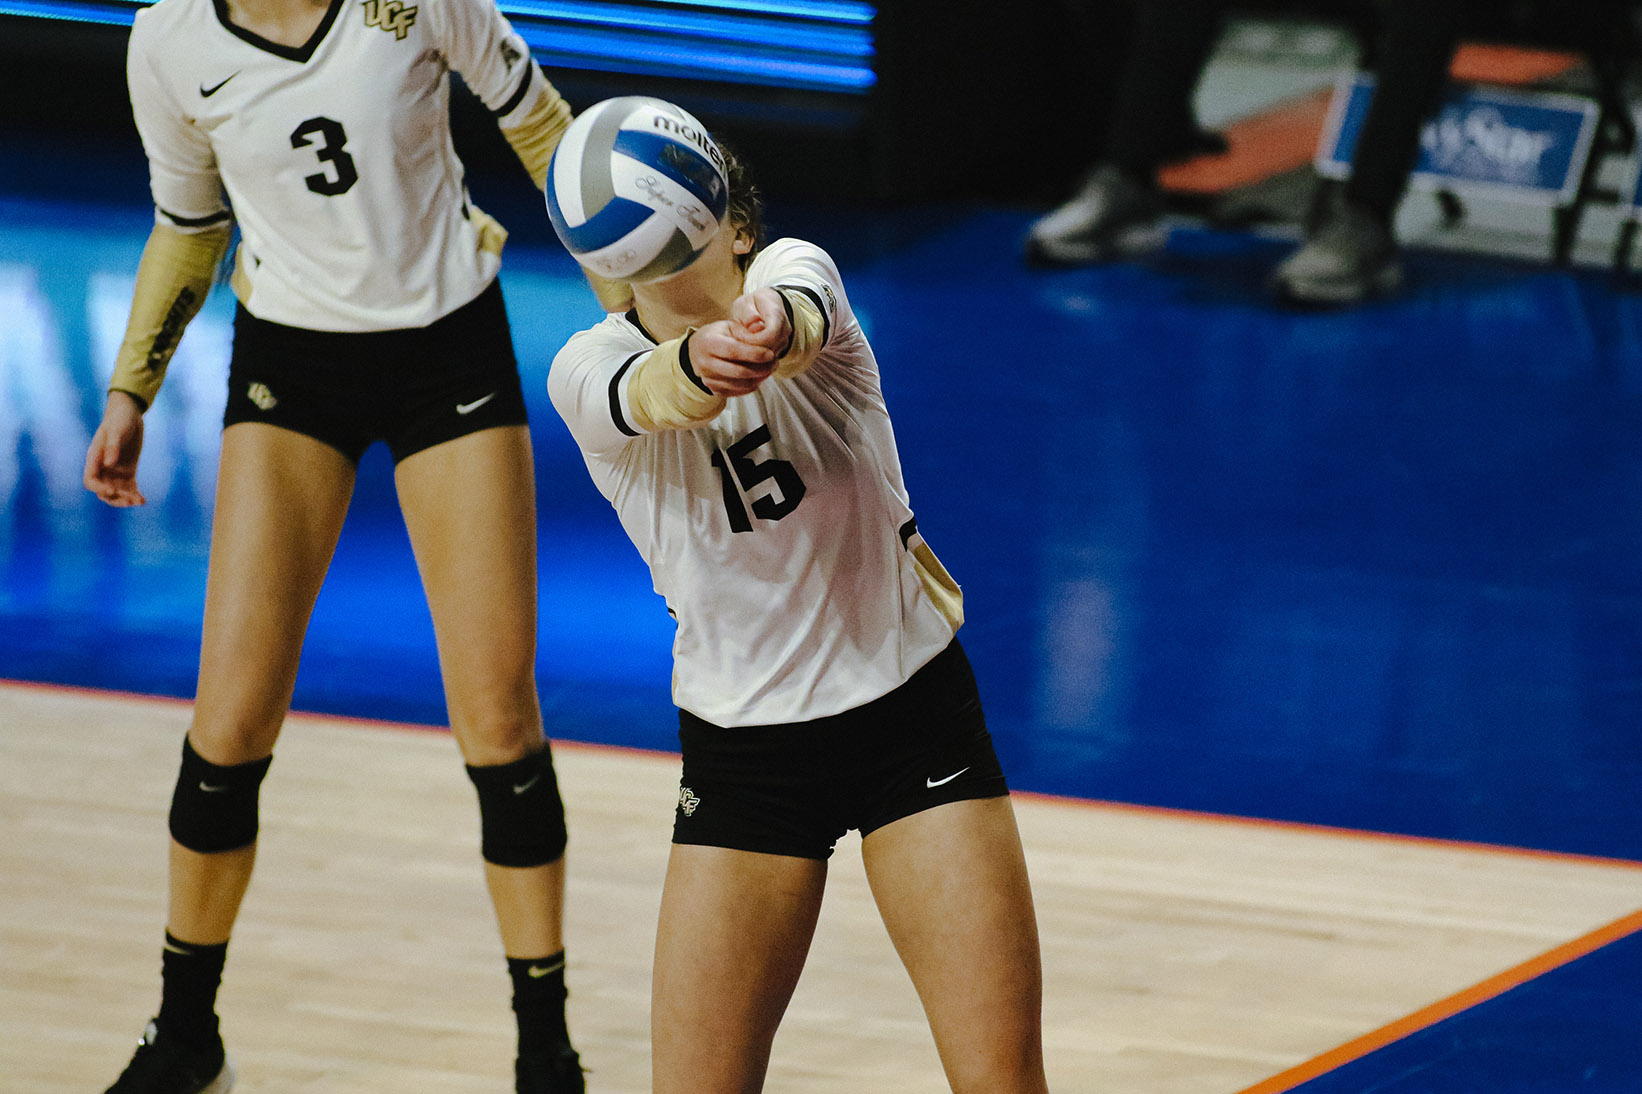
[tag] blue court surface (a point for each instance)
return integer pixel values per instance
(1376, 569)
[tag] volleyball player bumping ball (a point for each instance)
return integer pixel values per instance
(734, 418)
(368, 311)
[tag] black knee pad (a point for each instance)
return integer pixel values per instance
(521, 816)
(214, 808)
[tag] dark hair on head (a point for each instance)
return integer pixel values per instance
(746, 204)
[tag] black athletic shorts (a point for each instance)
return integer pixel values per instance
(413, 388)
(795, 789)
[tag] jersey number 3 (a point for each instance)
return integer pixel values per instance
(741, 468)
(333, 138)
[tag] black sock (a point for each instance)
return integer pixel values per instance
(190, 975)
(538, 1002)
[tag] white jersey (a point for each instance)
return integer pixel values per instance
(779, 533)
(335, 157)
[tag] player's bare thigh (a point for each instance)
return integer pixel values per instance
(951, 885)
(734, 931)
(469, 505)
(280, 503)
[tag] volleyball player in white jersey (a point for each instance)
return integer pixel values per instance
(368, 310)
(734, 419)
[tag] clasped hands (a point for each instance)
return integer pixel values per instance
(735, 355)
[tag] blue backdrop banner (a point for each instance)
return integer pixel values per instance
(1520, 146)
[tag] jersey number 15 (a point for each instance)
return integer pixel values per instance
(740, 467)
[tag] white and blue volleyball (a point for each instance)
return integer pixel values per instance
(636, 188)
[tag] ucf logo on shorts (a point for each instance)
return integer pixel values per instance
(390, 15)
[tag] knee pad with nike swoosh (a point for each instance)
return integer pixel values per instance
(521, 816)
(214, 808)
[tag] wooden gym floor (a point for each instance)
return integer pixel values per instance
(1182, 953)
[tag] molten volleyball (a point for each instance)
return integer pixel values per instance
(636, 188)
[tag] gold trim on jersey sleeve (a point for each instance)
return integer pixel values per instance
(173, 279)
(809, 333)
(662, 395)
(492, 236)
(239, 279)
(939, 584)
(537, 129)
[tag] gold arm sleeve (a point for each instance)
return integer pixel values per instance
(173, 280)
(809, 334)
(533, 140)
(663, 395)
(537, 133)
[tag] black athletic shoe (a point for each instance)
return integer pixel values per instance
(555, 1072)
(1350, 259)
(164, 1066)
(1111, 216)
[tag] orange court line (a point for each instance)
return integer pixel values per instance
(1447, 1008)
(358, 720)
(1061, 799)
(1332, 830)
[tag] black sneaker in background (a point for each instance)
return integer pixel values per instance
(1349, 259)
(1111, 216)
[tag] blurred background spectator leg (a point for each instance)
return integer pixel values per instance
(1352, 255)
(1117, 209)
